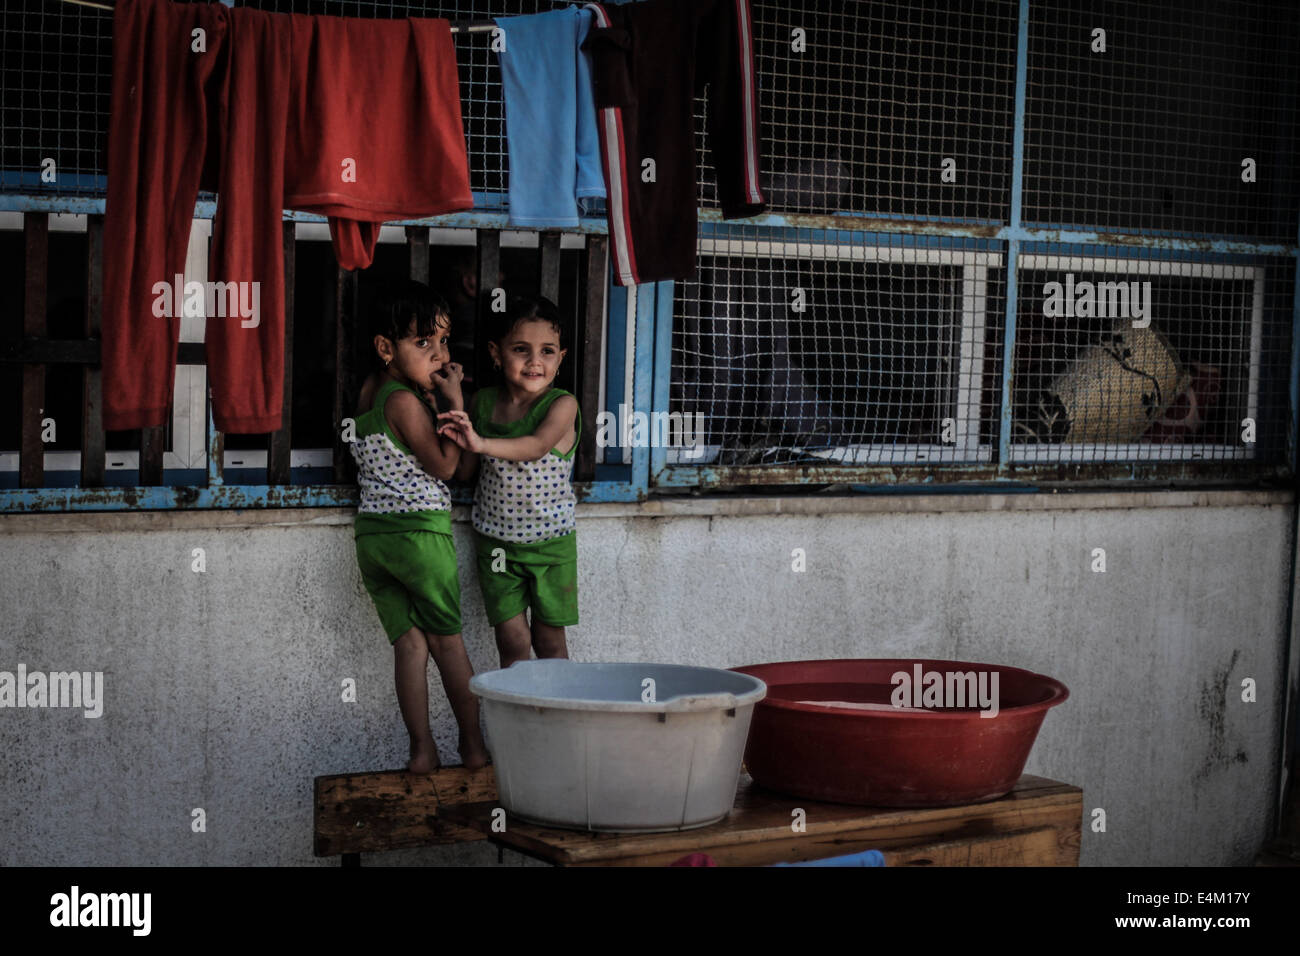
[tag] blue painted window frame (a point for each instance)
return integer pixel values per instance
(614, 480)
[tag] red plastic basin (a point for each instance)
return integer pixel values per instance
(891, 757)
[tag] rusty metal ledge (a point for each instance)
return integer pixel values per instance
(672, 507)
(932, 503)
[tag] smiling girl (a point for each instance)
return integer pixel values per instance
(522, 436)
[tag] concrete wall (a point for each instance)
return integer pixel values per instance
(222, 688)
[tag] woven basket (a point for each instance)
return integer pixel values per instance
(1114, 391)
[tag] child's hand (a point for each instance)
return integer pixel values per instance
(448, 378)
(456, 433)
(455, 425)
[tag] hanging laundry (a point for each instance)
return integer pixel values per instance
(358, 120)
(245, 360)
(648, 61)
(375, 130)
(165, 102)
(551, 133)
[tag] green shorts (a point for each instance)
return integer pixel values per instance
(412, 578)
(543, 576)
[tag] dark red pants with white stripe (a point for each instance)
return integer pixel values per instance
(648, 61)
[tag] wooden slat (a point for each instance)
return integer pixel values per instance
(191, 353)
(489, 272)
(152, 444)
(80, 352)
(417, 241)
(394, 809)
(346, 388)
(278, 460)
(50, 352)
(1035, 847)
(758, 830)
(36, 245)
(592, 348)
(92, 408)
(549, 276)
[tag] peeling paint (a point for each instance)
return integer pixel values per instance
(222, 496)
(1074, 473)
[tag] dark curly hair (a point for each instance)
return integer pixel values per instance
(395, 305)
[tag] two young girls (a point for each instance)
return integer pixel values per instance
(522, 434)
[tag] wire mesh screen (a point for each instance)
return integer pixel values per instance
(862, 117)
(1149, 359)
(793, 349)
(885, 367)
(1140, 115)
(55, 59)
(880, 96)
(886, 347)
(55, 66)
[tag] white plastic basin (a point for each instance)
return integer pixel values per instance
(575, 745)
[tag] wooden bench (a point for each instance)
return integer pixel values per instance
(1037, 824)
(359, 813)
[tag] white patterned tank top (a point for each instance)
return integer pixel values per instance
(397, 494)
(523, 501)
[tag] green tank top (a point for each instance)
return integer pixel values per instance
(397, 494)
(523, 501)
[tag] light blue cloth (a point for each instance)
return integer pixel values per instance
(865, 858)
(551, 131)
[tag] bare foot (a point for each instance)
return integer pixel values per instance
(423, 759)
(474, 755)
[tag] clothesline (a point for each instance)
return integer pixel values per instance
(457, 26)
(598, 89)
